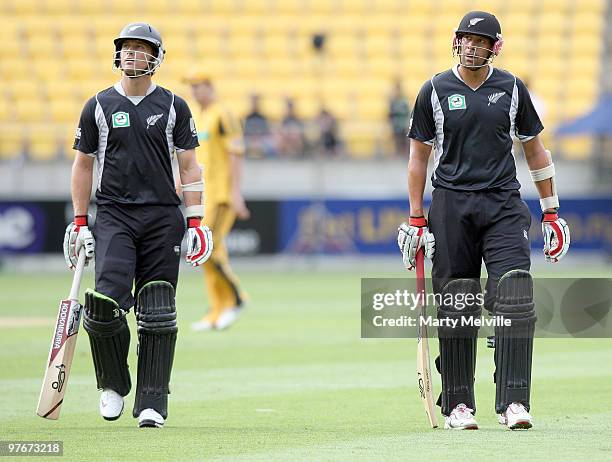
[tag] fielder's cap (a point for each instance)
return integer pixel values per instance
(197, 76)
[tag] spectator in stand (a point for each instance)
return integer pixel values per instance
(291, 136)
(399, 115)
(257, 134)
(327, 124)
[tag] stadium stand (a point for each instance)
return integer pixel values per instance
(57, 53)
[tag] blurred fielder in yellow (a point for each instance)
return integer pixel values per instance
(221, 151)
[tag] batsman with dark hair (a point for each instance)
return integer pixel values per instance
(468, 116)
(133, 130)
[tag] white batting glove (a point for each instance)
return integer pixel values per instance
(78, 235)
(199, 242)
(411, 237)
(556, 237)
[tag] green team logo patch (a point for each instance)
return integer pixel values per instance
(456, 102)
(121, 119)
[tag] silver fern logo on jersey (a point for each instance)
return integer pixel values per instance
(494, 97)
(152, 119)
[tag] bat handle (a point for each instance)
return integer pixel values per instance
(420, 271)
(78, 274)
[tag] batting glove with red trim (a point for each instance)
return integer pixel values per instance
(78, 235)
(411, 237)
(556, 237)
(199, 242)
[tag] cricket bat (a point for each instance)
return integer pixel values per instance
(423, 359)
(62, 349)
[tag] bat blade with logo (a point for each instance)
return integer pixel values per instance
(62, 349)
(423, 359)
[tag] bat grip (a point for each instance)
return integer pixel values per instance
(78, 274)
(420, 273)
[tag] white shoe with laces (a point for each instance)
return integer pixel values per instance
(111, 404)
(460, 418)
(516, 417)
(150, 418)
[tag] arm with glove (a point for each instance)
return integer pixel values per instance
(77, 233)
(555, 230)
(199, 237)
(415, 235)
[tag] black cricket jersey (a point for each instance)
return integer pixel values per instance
(134, 141)
(472, 131)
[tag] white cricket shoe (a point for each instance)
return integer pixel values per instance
(460, 418)
(111, 404)
(516, 417)
(150, 418)
(202, 325)
(227, 318)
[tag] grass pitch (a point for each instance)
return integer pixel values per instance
(293, 380)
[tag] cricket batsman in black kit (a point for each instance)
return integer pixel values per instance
(467, 116)
(133, 130)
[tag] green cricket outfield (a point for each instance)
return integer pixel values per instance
(293, 380)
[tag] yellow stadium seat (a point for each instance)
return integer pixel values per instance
(60, 89)
(343, 46)
(526, 6)
(43, 46)
(5, 111)
(553, 23)
(495, 7)
(27, 89)
(518, 23)
(31, 110)
(321, 6)
(283, 68)
(77, 46)
(228, 7)
(591, 6)
(65, 110)
(242, 45)
(92, 7)
(12, 48)
(379, 45)
(44, 144)
(25, 7)
(57, 6)
(576, 147)
(189, 7)
(14, 69)
(208, 45)
(49, 68)
(372, 108)
(276, 46)
(80, 69)
(131, 7)
(586, 23)
(293, 7)
(11, 141)
(586, 44)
